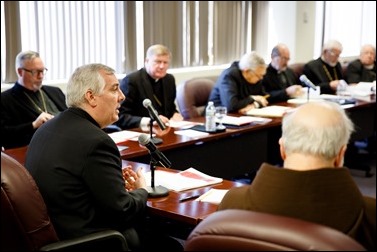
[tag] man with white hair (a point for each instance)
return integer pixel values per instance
(363, 69)
(326, 71)
(313, 184)
(239, 87)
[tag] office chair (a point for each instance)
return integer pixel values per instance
(192, 96)
(25, 224)
(244, 230)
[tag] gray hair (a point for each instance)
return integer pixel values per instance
(366, 47)
(23, 56)
(84, 78)
(323, 140)
(158, 50)
(332, 44)
(251, 61)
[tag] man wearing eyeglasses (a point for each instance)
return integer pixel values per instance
(28, 104)
(280, 81)
(326, 71)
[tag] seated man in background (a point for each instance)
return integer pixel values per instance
(363, 69)
(313, 185)
(150, 82)
(326, 71)
(239, 87)
(28, 104)
(82, 181)
(280, 81)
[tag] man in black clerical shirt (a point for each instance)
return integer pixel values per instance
(280, 82)
(326, 71)
(150, 82)
(28, 104)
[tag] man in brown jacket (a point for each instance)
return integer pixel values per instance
(313, 185)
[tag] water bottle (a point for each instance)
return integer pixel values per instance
(210, 117)
(341, 89)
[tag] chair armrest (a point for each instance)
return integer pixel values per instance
(107, 240)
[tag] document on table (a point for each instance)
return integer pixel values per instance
(191, 133)
(269, 111)
(181, 181)
(182, 124)
(214, 196)
(362, 90)
(124, 135)
(243, 120)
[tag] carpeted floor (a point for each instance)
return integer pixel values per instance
(367, 185)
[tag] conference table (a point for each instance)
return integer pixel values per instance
(238, 150)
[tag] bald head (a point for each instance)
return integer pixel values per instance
(315, 115)
(280, 57)
(316, 128)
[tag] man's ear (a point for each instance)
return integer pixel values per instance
(19, 71)
(282, 151)
(91, 98)
(339, 159)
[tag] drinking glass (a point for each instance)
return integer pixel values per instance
(220, 113)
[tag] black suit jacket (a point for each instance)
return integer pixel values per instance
(316, 73)
(78, 170)
(137, 87)
(356, 72)
(233, 91)
(274, 86)
(18, 114)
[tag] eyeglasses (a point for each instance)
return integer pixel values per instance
(332, 53)
(284, 58)
(36, 72)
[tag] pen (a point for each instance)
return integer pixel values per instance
(189, 198)
(266, 96)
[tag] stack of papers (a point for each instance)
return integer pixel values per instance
(184, 180)
(124, 135)
(269, 111)
(362, 90)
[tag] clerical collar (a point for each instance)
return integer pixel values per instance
(369, 67)
(26, 90)
(329, 64)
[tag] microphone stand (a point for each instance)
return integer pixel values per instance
(155, 140)
(307, 95)
(159, 191)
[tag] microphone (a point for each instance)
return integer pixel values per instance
(158, 156)
(153, 113)
(307, 82)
